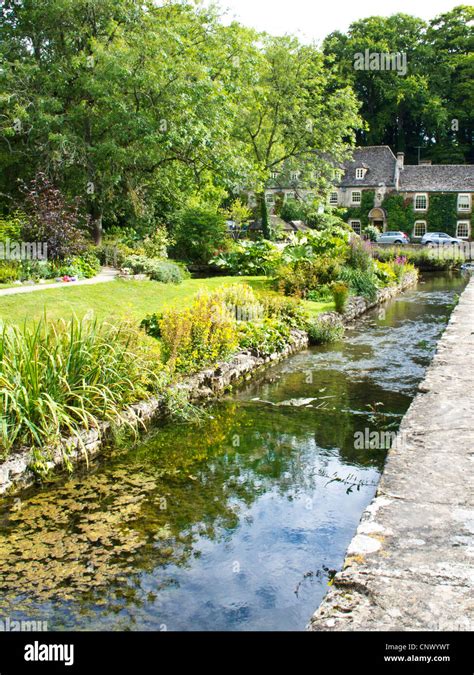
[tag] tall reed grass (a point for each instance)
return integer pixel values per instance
(59, 378)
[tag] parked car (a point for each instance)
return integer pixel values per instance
(439, 238)
(393, 238)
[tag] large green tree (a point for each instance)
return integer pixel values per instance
(293, 114)
(116, 99)
(414, 109)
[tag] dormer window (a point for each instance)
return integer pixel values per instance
(360, 173)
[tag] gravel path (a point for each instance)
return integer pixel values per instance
(105, 274)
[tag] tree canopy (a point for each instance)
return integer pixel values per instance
(430, 106)
(136, 107)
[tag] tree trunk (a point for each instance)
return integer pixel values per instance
(96, 223)
(264, 216)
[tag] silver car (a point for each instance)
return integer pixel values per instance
(393, 238)
(439, 239)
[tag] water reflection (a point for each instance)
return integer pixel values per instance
(232, 524)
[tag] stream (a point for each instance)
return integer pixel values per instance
(237, 522)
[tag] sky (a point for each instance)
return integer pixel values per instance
(314, 19)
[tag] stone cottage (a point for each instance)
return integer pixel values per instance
(377, 188)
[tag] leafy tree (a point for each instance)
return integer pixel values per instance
(451, 39)
(292, 112)
(199, 231)
(416, 109)
(119, 101)
(240, 214)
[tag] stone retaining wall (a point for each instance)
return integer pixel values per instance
(15, 473)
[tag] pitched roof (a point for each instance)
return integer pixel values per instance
(437, 178)
(380, 163)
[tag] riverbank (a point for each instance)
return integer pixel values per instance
(15, 472)
(409, 566)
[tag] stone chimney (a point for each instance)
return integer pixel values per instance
(400, 160)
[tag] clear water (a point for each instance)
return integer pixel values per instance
(236, 523)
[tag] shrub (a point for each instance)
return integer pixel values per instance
(331, 242)
(293, 210)
(198, 336)
(360, 282)
(240, 301)
(86, 265)
(139, 264)
(288, 310)
(424, 259)
(248, 257)
(199, 232)
(156, 244)
(385, 272)
(323, 332)
(11, 226)
(300, 277)
(167, 272)
(151, 325)
(52, 220)
(58, 378)
(401, 267)
(265, 337)
(9, 271)
(321, 294)
(340, 293)
(372, 233)
(115, 254)
(328, 220)
(126, 236)
(359, 254)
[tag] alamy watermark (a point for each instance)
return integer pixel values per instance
(23, 250)
(374, 440)
(393, 61)
(9, 625)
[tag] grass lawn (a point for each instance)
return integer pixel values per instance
(120, 299)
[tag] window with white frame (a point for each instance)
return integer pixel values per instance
(269, 198)
(289, 196)
(295, 175)
(274, 175)
(333, 198)
(420, 228)
(355, 224)
(463, 229)
(421, 202)
(360, 173)
(356, 197)
(464, 202)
